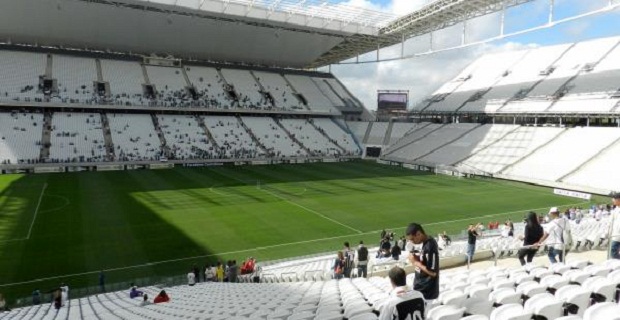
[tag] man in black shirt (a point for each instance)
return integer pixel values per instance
(426, 262)
(362, 260)
(472, 234)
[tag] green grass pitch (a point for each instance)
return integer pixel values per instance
(149, 223)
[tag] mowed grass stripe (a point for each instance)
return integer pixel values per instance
(99, 220)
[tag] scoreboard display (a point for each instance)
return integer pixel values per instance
(391, 101)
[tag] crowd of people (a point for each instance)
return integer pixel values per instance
(222, 272)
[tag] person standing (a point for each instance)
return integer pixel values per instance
(219, 272)
(472, 234)
(403, 303)
(36, 297)
(191, 278)
(553, 236)
(102, 281)
(532, 234)
(362, 260)
(233, 271)
(338, 266)
(209, 274)
(425, 261)
(615, 227)
(3, 305)
(349, 258)
(511, 228)
(64, 293)
(196, 271)
(57, 299)
(396, 252)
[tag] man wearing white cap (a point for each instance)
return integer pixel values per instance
(615, 227)
(553, 236)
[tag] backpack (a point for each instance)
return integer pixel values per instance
(362, 254)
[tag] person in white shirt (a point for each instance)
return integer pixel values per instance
(191, 278)
(615, 226)
(64, 293)
(553, 236)
(404, 303)
(210, 274)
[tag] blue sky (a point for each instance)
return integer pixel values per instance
(423, 75)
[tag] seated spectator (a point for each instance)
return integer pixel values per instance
(145, 300)
(248, 266)
(381, 253)
(385, 244)
(404, 303)
(161, 297)
(134, 292)
(446, 238)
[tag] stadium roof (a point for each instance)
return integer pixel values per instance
(437, 15)
(281, 33)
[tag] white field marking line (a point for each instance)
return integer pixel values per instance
(487, 216)
(218, 192)
(311, 210)
(245, 250)
(66, 204)
(298, 205)
(36, 211)
(12, 240)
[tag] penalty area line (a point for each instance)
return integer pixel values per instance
(296, 204)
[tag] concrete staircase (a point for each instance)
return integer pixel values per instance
(107, 137)
(162, 139)
(292, 137)
(317, 128)
(253, 136)
(201, 123)
(46, 136)
(503, 170)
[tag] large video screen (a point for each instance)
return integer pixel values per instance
(392, 101)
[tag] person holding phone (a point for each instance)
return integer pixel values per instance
(425, 261)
